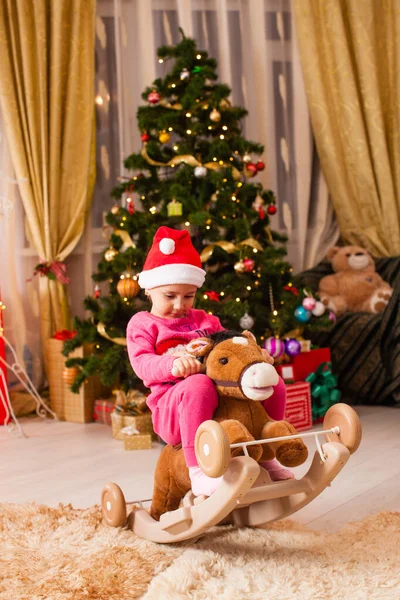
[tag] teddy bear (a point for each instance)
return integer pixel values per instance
(243, 379)
(355, 285)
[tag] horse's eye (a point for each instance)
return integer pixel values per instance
(223, 361)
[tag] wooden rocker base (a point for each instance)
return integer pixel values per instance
(246, 497)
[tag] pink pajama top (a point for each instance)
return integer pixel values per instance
(151, 340)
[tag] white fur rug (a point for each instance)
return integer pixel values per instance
(287, 561)
(67, 554)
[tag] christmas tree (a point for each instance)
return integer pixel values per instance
(195, 171)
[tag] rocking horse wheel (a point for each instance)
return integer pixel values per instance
(113, 505)
(212, 449)
(343, 416)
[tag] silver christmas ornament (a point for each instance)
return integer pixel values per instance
(246, 157)
(185, 74)
(246, 322)
(200, 171)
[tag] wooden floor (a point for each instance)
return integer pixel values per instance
(70, 463)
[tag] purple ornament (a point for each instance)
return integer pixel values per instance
(292, 347)
(332, 316)
(275, 346)
(309, 303)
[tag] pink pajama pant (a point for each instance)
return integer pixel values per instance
(188, 403)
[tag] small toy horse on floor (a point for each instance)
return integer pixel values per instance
(243, 380)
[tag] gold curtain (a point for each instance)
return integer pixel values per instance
(350, 55)
(47, 100)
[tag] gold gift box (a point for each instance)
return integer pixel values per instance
(138, 441)
(142, 423)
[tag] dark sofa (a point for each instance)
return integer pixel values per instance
(365, 347)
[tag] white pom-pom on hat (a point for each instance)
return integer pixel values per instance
(167, 246)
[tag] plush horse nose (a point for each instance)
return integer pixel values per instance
(257, 381)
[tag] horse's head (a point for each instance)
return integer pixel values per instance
(236, 365)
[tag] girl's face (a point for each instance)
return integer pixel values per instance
(172, 301)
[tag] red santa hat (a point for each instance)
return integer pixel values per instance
(172, 259)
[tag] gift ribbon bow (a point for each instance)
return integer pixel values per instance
(53, 270)
(64, 334)
(323, 389)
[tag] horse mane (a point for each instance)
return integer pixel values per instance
(221, 336)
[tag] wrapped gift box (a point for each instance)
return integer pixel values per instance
(303, 364)
(68, 406)
(298, 405)
(102, 411)
(138, 441)
(142, 423)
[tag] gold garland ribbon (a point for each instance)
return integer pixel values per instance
(117, 340)
(229, 247)
(252, 243)
(208, 250)
(126, 238)
(190, 160)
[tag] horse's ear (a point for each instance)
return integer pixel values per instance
(200, 347)
(247, 334)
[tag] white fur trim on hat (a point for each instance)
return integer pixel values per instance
(171, 274)
(167, 246)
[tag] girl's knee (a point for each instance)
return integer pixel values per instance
(201, 381)
(199, 389)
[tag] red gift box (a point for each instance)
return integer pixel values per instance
(298, 405)
(102, 411)
(303, 364)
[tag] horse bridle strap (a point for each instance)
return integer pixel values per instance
(225, 383)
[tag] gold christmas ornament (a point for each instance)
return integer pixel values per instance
(128, 287)
(224, 104)
(215, 115)
(239, 267)
(164, 137)
(70, 374)
(110, 254)
(115, 209)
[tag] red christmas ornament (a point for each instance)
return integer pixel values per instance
(252, 168)
(145, 137)
(131, 206)
(261, 213)
(97, 291)
(248, 264)
(271, 209)
(260, 165)
(153, 97)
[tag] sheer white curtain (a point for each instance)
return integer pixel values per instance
(255, 46)
(17, 288)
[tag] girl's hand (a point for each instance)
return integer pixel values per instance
(267, 356)
(185, 366)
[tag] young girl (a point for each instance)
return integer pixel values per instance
(181, 396)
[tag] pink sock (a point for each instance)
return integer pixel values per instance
(202, 485)
(276, 471)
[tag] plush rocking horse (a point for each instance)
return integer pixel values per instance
(243, 380)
